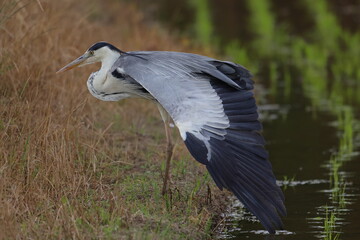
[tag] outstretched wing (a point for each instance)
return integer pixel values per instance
(212, 104)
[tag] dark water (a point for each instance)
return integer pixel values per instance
(305, 57)
(300, 146)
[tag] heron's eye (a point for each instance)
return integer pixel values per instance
(91, 52)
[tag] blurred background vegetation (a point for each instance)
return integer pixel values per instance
(75, 167)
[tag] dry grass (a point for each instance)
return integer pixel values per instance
(73, 167)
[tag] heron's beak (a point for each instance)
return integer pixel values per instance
(76, 63)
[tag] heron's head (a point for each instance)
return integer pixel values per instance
(99, 52)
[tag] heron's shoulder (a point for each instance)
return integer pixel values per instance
(165, 59)
(164, 55)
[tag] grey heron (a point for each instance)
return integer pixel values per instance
(212, 104)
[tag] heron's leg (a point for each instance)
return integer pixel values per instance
(169, 152)
(169, 148)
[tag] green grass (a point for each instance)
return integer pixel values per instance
(263, 24)
(203, 22)
(287, 181)
(330, 225)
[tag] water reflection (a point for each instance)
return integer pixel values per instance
(308, 153)
(297, 151)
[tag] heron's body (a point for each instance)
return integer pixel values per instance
(212, 104)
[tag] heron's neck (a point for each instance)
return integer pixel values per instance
(108, 61)
(97, 81)
(106, 64)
